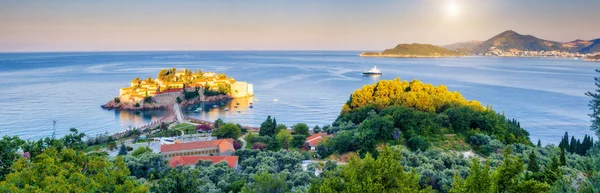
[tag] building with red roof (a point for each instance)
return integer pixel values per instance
(315, 139)
(232, 161)
(220, 147)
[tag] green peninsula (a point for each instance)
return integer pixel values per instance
(414, 51)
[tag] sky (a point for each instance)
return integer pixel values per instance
(131, 25)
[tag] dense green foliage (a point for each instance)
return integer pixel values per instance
(415, 114)
(384, 174)
(229, 130)
(60, 165)
(301, 129)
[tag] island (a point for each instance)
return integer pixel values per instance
(186, 87)
(414, 51)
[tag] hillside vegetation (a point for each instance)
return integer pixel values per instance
(414, 50)
(416, 115)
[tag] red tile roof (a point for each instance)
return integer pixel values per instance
(316, 138)
(222, 144)
(190, 160)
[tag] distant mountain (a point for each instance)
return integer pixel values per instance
(592, 48)
(413, 51)
(513, 41)
(464, 47)
(508, 40)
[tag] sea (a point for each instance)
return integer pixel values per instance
(545, 94)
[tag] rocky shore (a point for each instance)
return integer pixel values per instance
(200, 99)
(112, 105)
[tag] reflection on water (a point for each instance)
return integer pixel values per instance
(372, 76)
(137, 118)
(221, 109)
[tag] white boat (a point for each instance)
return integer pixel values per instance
(215, 106)
(198, 110)
(372, 71)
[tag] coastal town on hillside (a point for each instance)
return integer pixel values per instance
(173, 80)
(493, 51)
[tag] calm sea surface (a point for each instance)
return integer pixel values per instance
(545, 94)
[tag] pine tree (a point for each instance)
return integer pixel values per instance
(539, 143)
(563, 159)
(595, 106)
(533, 165)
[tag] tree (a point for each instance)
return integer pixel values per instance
(506, 175)
(563, 159)
(219, 123)
(69, 171)
(533, 165)
(539, 143)
(316, 129)
(267, 183)
(122, 149)
(141, 150)
(229, 130)
(274, 145)
(301, 129)
(417, 142)
(478, 181)
(384, 174)
(267, 128)
(279, 127)
(146, 165)
(178, 99)
(595, 105)
(284, 137)
(8, 153)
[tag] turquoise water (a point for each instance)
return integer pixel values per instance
(545, 94)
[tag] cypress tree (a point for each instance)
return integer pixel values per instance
(573, 146)
(539, 143)
(123, 149)
(533, 165)
(578, 148)
(564, 143)
(563, 158)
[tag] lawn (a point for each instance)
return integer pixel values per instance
(187, 128)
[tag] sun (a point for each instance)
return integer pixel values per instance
(452, 9)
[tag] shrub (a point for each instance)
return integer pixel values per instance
(203, 127)
(236, 144)
(259, 146)
(479, 139)
(137, 105)
(179, 100)
(129, 148)
(417, 142)
(117, 100)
